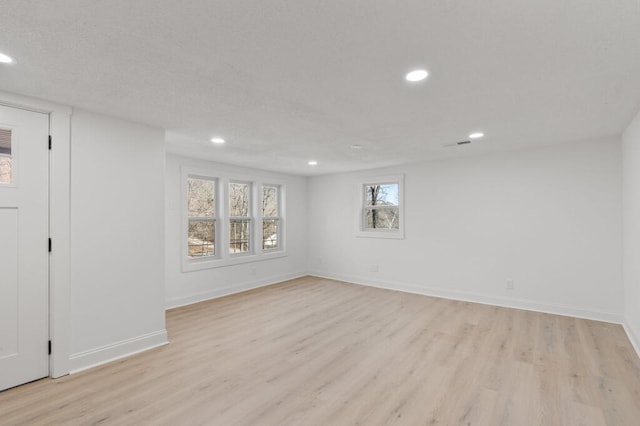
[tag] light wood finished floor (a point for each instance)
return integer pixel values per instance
(319, 352)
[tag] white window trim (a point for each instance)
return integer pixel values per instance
(380, 233)
(223, 257)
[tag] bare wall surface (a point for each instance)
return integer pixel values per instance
(117, 238)
(631, 192)
(549, 219)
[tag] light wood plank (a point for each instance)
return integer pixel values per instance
(315, 352)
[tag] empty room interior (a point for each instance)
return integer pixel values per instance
(320, 213)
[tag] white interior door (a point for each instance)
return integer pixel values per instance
(24, 253)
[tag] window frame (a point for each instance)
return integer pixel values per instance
(365, 232)
(276, 218)
(249, 218)
(223, 257)
(214, 218)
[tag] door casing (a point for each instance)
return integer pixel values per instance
(59, 224)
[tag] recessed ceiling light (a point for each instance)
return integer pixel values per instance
(217, 140)
(476, 135)
(5, 59)
(312, 163)
(356, 146)
(417, 75)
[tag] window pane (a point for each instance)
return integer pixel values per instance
(201, 194)
(270, 201)
(239, 199)
(201, 238)
(239, 236)
(5, 157)
(382, 195)
(270, 234)
(382, 218)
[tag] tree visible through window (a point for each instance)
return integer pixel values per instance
(201, 217)
(381, 209)
(229, 220)
(270, 217)
(5, 156)
(239, 217)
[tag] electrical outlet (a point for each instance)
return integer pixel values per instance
(373, 268)
(510, 285)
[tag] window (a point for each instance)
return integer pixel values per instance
(381, 208)
(201, 217)
(6, 172)
(239, 217)
(270, 217)
(230, 219)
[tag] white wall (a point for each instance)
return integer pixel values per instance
(631, 208)
(117, 238)
(550, 219)
(189, 287)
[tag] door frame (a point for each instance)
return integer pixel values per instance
(59, 225)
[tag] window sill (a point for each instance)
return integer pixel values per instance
(397, 235)
(201, 264)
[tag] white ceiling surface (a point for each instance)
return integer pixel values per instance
(288, 81)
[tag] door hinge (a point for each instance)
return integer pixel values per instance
(49, 245)
(49, 141)
(49, 347)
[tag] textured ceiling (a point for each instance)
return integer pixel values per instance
(289, 81)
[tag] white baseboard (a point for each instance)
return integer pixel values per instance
(98, 356)
(478, 298)
(633, 335)
(226, 291)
